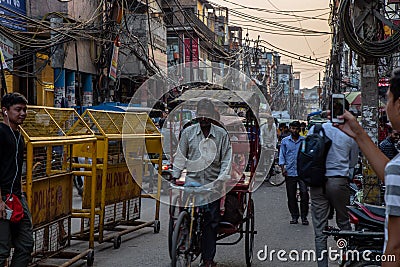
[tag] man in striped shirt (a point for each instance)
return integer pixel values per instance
(388, 171)
(392, 192)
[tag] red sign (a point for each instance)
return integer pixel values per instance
(191, 52)
(383, 82)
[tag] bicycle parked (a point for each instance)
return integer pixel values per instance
(275, 176)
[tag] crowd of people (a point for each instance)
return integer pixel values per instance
(347, 140)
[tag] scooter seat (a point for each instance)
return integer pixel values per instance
(377, 210)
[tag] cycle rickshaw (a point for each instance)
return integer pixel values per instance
(184, 237)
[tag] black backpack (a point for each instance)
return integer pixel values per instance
(311, 158)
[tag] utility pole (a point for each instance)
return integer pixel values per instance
(291, 102)
(370, 122)
(369, 84)
(320, 91)
(370, 106)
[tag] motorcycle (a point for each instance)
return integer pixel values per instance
(364, 245)
(366, 217)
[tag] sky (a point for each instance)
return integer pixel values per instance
(304, 14)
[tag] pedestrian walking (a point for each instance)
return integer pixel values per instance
(18, 234)
(288, 162)
(388, 145)
(283, 131)
(303, 129)
(268, 143)
(387, 170)
(383, 129)
(335, 193)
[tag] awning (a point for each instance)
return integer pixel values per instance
(354, 98)
(228, 97)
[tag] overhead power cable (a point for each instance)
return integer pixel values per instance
(364, 46)
(267, 10)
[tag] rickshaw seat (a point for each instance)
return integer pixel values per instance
(240, 147)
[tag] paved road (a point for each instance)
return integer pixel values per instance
(144, 248)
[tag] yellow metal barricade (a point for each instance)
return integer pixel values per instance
(123, 140)
(50, 135)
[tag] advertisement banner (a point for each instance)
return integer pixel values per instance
(283, 80)
(87, 98)
(3, 61)
(7, 49)
(59, 96)
(388, 30)
(114, 64)
(71, 95)
(191, 52)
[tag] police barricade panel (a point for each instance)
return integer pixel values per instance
(49, 134)
(51, 198)
(117, 186)
(120, 183)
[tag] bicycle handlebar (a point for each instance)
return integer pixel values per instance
(194, 189)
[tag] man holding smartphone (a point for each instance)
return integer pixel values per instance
(342, 156)
(13, 109)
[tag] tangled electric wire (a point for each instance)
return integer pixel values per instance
(362, 46)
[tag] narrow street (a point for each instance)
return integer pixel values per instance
(144, 248)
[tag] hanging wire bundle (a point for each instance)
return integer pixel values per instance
(367, 41)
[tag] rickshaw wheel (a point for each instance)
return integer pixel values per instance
(156, 226)
(181, 241)
(173, 215)
(117, 242)
(90, 258)
(249, 236)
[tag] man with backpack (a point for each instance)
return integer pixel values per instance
(334, 191)
(288, 162)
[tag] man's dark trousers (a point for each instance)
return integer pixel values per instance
(210, 230)
(22, 239)
(291, 189)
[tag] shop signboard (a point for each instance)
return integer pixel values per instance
(283, 80)
(9, 11)
(7, 49)
(191, 52)
(114, 63)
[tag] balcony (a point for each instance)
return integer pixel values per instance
(196, 23)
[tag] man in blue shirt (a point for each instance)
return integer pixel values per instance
(288, 161)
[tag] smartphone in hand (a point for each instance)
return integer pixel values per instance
(338, 104)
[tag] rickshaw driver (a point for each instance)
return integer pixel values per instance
(205, 150)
